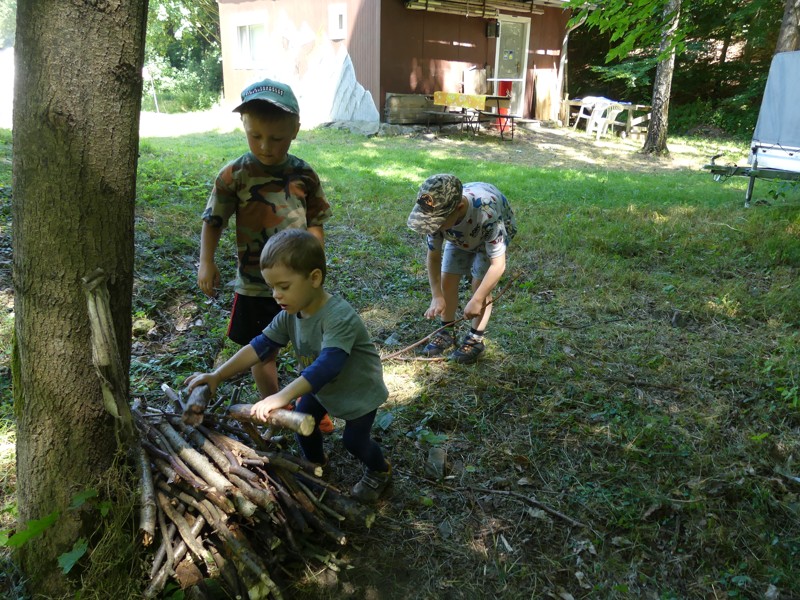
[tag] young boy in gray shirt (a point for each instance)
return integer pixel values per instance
(341, 371)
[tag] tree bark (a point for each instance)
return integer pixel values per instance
(656, 140)
(789, 35)
(75, 135)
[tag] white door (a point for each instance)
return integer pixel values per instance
(511, 61)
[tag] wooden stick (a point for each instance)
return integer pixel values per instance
(196, 405)
(147, 512)
(165, 534)
(206, 470)
(184, 529)
(298, 422)
(172, 396)
(249, 566)
(157, 582)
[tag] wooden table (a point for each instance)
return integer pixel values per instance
(637, 115)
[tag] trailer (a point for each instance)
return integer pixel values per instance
(775, 149)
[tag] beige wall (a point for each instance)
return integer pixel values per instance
(299, 49)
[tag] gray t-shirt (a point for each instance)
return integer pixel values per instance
(487, 226)
(359, 388)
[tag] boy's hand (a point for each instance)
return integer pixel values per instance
(474, 307)
(262, 408)
(435, 309)
(210, 379)
(208, 278)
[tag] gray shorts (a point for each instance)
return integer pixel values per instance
(461, 262)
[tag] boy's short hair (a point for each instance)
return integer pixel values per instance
(295, 249)
(269, 99)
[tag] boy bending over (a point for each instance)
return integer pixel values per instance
(474, 224)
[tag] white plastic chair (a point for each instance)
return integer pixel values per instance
(605, 116)
(587, 107)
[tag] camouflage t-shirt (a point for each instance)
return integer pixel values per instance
(265, 200)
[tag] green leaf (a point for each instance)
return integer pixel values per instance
(431, 438)
(67, 560)
(34, 528)
(105, 507)
(81, 498)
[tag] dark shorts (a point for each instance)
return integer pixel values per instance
(249, 316)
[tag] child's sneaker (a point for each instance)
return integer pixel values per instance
(372, 485)
(468, 352)
(439, 343)
(326, 425)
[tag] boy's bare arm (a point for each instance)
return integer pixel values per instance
(208, 276)
(298, 387)
(434, 266)
(497, 266)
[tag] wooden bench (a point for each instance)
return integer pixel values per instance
(446, 116)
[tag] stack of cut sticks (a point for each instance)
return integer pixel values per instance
(224, 503)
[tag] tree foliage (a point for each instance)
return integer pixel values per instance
(8, 26)
(182, 55)
(723, 52)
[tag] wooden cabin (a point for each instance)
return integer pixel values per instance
(345, 58)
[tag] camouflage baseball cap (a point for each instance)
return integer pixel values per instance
(274, 92)
(436, 200)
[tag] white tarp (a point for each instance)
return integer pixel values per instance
(776, 139)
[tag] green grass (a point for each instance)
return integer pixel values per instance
(641, 375)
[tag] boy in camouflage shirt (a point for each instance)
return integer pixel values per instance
(268, 190)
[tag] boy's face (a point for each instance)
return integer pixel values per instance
(293, 291)
(455, 216)
(269, 139)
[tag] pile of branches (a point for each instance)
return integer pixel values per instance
(225, 503)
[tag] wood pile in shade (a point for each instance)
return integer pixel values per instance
(222, 502)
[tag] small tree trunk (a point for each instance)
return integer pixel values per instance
(656, 140)
(75, 136)
(789, 35)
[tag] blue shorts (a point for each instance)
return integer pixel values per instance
(461, 262)
(249, 316)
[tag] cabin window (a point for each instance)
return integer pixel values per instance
(252, 42)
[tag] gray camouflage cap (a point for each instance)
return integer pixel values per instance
(437, 198)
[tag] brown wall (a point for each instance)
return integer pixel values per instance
(422, 52)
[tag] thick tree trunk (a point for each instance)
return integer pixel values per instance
(75, 136)
(789, 35)
(656, 140)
